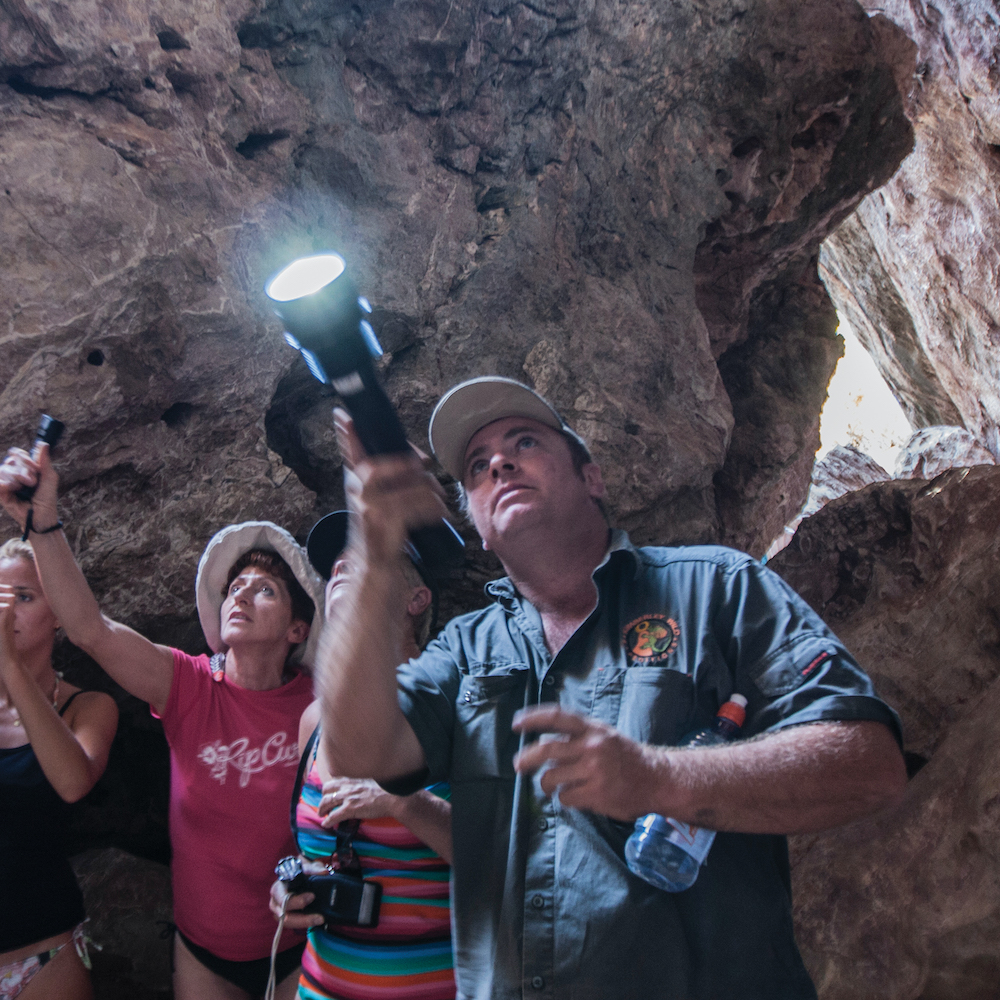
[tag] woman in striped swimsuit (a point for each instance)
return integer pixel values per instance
(407, 956)
(402, 842)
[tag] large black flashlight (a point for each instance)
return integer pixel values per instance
(326, 321)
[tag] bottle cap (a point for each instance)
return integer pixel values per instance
(735, 710)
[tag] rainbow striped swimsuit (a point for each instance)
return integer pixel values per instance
(408, 955)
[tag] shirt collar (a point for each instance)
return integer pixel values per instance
(620, 542)
(505, 593)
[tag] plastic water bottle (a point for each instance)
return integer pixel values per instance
(666, 852)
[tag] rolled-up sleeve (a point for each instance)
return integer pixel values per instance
(427, 687)
(787, 662)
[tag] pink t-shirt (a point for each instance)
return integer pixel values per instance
(233, 759)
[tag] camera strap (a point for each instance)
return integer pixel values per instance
(345, 857)
(304, 763)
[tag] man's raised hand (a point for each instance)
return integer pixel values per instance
(390, 494)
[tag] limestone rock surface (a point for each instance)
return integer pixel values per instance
(126, 310)
(620, 204)
(933, 450)
(843, 469)
(914, 270)
(905, 905)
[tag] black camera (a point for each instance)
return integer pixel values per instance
(341, 898)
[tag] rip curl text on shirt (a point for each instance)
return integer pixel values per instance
(238, 755)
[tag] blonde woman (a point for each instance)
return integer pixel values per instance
(54, 744)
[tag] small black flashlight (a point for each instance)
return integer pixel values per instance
(49, 432)
(326, 321)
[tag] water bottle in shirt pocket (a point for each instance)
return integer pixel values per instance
(669, 853)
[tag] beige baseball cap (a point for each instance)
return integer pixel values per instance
(470, 406)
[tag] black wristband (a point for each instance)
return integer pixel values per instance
(29, 526)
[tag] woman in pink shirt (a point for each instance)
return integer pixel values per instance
(231, 721)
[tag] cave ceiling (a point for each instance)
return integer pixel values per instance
(621, 204)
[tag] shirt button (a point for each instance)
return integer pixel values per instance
(549, 680)
(537, 902)
(543, 824)
(538, 982)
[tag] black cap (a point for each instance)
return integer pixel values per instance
(327, 538)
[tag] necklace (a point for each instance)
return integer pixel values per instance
(55, 701)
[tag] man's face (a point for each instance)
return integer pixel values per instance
(418, 598)
(518, 473)
(258, 608)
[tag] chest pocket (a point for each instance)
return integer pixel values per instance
(657, 705)
(484, 743)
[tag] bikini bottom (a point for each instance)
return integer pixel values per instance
(250, 976)
(15, 977)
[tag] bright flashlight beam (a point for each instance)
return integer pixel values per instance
(305, 276)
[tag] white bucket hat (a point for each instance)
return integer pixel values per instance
(224, 549)
(466, 408)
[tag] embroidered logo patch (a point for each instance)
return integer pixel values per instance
(651, 638)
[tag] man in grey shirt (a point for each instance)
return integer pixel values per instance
(544, 904)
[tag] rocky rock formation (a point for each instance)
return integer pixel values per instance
(844, 469)
(129, 903)
(620, 203)
(588, 199)
(914, 269)
(934, 450)
(127, 313)
(905, 905)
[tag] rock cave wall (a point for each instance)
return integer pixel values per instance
(905, 571)
(588, 197)
(915, 269)
(622, 204)
(905, 905)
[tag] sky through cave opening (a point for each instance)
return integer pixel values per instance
(860, 408)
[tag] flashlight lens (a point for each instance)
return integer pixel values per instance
(305, 276)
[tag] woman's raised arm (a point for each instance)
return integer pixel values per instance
(72, 751)
(143, 668)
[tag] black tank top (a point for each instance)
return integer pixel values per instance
(39, 897)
